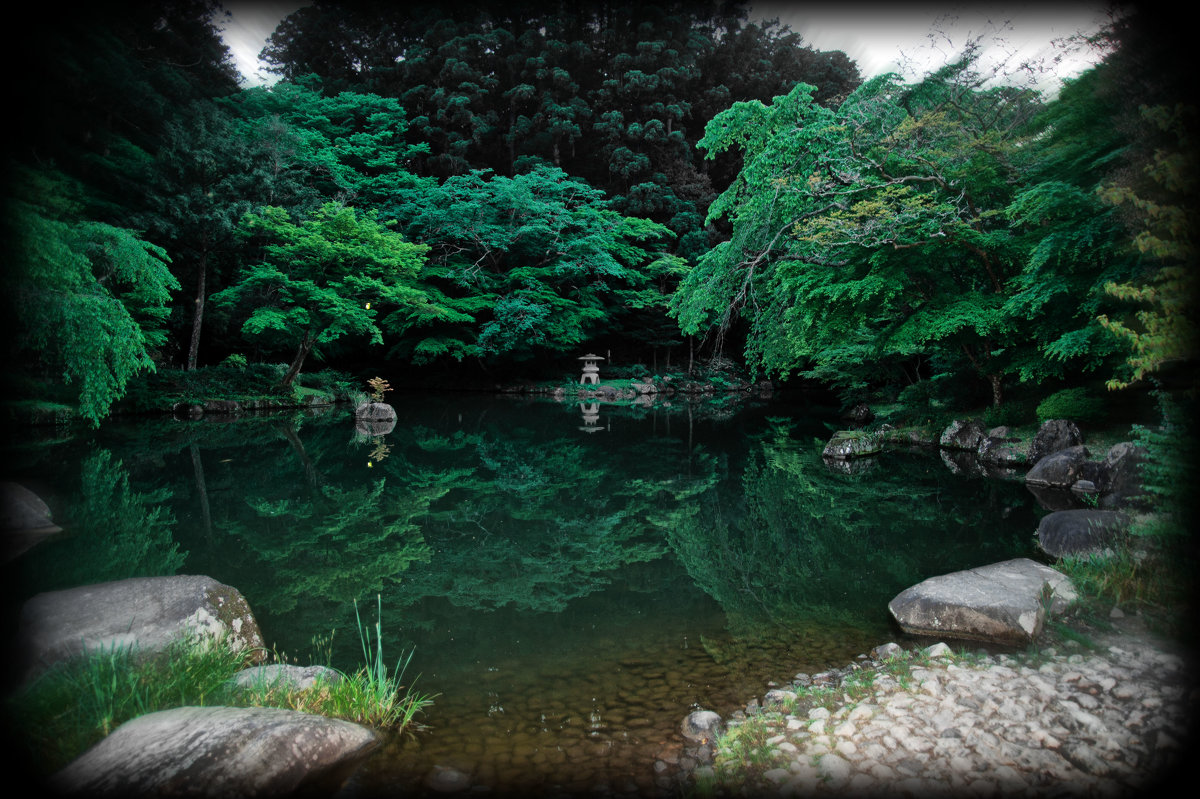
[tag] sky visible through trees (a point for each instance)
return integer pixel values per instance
(880, 37)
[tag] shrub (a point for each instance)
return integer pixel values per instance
(1076, 404)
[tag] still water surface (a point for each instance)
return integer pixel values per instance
(572, 580)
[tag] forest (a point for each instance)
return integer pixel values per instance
(483, 190)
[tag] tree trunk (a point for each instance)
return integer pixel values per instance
(996, 396)
(305, 346)
(198, 313)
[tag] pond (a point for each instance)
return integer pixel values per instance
(571, 579)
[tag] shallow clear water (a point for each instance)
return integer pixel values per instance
(572, 579)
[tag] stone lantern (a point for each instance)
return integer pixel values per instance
(591, 370)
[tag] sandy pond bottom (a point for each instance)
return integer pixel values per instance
(570, 725)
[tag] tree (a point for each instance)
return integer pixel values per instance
(507, 87)
(1166, 332)
(202, 183)
(89, 299)
(320, 278)
(902, 232)
(533, 263)
(112, 86)
(109, 79)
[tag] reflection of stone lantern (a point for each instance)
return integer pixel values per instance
(591, 369)
(591, 416)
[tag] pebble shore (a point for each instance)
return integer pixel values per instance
(1108, 720)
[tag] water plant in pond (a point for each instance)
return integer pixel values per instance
(368, 696)
(375, 696)
(742, 752)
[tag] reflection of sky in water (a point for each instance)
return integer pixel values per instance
(552, 581)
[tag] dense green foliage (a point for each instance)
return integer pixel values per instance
(470, 184)
(91, 296)
(321, 277)
(527, 264)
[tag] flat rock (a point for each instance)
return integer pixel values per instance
(219, 752)
(142, 613)
(286, 676)
(1002, 602)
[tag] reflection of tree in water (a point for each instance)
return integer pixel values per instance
(336, 542)
(798, 542)
(111, 532)
(338, 545)
(540, 523)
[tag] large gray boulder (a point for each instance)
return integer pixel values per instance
(1121, 475)
(1064, 468)
(1080, 532)
(375, 412)
(1053, 436)
(702, 726)
(849, 444)
(965, 435)
(220, 752)
(1005, 602)
(142, 613)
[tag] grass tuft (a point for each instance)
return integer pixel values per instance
(77, 703)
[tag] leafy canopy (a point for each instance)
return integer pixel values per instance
(90, 297)
(323, 278)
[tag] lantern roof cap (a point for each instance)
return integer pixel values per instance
(590, 358)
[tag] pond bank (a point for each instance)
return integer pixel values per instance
(1113, 718)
